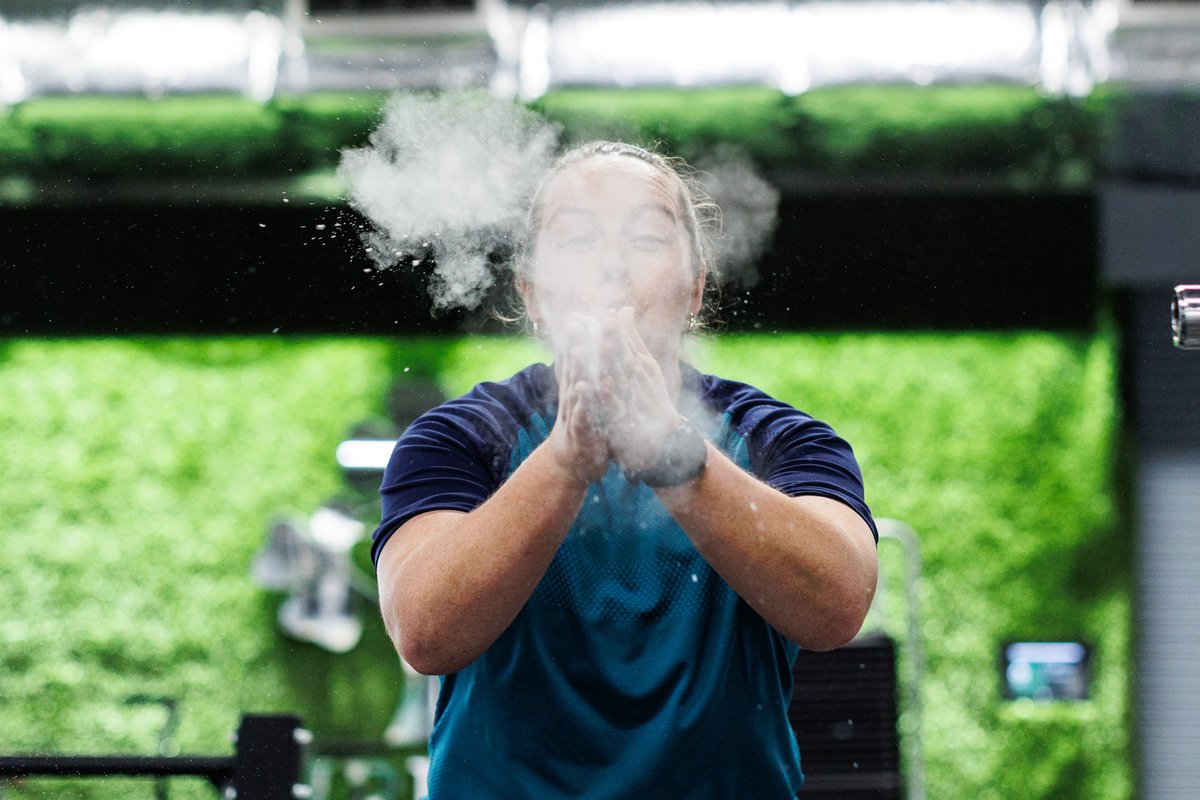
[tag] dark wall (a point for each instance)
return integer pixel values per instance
(931, 262)
(857, 262)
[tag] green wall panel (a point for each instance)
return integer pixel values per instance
(138, 478)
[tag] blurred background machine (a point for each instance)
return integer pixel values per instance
(266, 765)
(856, 710)
(312, 561)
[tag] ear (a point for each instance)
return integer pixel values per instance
(529, 296)
(696, 301)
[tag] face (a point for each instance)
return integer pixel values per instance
(612, 235)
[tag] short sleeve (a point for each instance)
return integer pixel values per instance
(440, 463)
(799, 455)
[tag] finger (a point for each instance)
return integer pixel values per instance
(614, 383)
(628, 372)
(570, 332)
(579, 438)
(615, 363)
(578, 347)
(566, 380)
(617, 347)
(648, 390)
(579, 409)
(568, 402)
(630, 336)
(585, 423)
(593, 347)
(561, 347)
(574, 345)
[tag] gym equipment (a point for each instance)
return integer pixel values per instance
(844, 713)
(266, 765)
(847, 709)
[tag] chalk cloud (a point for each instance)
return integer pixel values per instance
(444, 181)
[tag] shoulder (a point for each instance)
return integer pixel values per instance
(787, 448)
(765, 430)
(493, 411)
(746, 409)
(475, 433)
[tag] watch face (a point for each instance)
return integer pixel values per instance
(676, 447)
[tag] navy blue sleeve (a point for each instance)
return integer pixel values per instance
(442, 462)
(799, 455)
(455, 456)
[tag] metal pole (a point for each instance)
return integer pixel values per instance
(216, 769)
(901, 532)
(266, 767)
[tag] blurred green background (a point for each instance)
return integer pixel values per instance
(1010, 135)
(138, 478)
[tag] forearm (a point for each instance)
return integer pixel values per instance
(805, 564)
(455, 582)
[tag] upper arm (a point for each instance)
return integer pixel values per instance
(805, 458)
(398, 548)
(409, 537)
(437, 465)
(846, 519)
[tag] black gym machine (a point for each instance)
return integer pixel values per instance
(266, 764)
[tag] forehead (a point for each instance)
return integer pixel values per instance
(609, 183)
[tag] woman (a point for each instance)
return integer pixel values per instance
(613, 561)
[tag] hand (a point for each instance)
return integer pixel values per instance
(577, 441)
(637, 406)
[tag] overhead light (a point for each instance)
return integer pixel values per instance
(795, 46)
(365, 454)
(107, 50)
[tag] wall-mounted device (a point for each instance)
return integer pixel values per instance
(1046, 671)
(1185, 316)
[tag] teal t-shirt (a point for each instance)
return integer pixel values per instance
(634, 670)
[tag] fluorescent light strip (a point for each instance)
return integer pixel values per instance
(365, 453)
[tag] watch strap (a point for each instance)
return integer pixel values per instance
(682, 459)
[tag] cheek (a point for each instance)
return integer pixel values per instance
(665, 281)
(557, 295)
(567, 286)
(657, 284)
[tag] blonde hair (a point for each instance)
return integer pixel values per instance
(700, 215)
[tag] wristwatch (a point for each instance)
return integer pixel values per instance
(681, 459)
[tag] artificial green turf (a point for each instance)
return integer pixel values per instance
(138, 478)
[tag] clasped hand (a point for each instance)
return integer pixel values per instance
(613, 402)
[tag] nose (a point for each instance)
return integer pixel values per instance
(613, 266)
(613, 290)
(610, 277)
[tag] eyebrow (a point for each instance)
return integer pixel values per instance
(573, 211)
(634, 214)
(646, 208)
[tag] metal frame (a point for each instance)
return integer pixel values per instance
(384, 24)
(1132, 14)
(913, 674)
(266, 765)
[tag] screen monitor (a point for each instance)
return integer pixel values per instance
(1046, 671)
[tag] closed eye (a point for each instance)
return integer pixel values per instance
(649, 242)
(576, 244)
